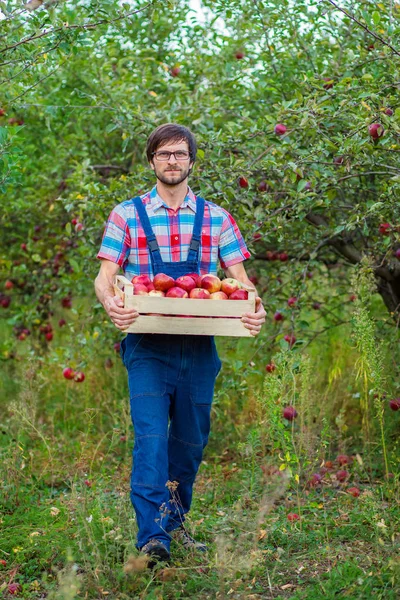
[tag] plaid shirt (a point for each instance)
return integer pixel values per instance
(124, 241)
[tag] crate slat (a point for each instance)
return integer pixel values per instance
(188, 326)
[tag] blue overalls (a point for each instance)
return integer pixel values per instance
(171, 385)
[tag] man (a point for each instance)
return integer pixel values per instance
(171, 377)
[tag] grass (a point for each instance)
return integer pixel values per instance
(67, 528)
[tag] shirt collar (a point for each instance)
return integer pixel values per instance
(156, 201)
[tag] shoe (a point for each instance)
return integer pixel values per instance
(181, 536)
(156, 551)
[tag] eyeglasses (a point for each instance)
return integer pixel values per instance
(163, 155)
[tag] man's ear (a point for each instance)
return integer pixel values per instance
(151, 164)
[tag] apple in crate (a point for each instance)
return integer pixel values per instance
(163, 282)
(142, 279)
(228, 286)
(150, 287)
(140, 290)
(177, 292)
(186, 283)
(156, 293)
(211, 283)
(200, 294)
(192, 275)
(239, 295)
(219, 296)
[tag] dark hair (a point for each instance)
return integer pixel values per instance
(170, 132)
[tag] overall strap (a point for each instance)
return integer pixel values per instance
(148, 230)
(198, 223)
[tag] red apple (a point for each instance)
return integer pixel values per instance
(3, 562)
(177, 292)
(22, 336)
(49, 336)
(278, 316)
(211, 283)
(283, 256)
(2, 112)
(376, 130)
(163, 282)
(218, 296)
(384, 228)
(270, 367)
(142, 279)
(316, 305)
(354, 491)
(79, 227)
(395, 404)
(293, 517)
(271, 255)
(262, 186)
(62, 322)
(5, 300)
(280, 129)
(175, 71)
(316, 479)
(200, 294)
(88, 483)
(192, 275)
(229, 285)
(343, 459)
(243, 182)
(257, 236)
(290, 339)
(342, 475)
(156, 293)
(397, 253)
(352, 298)
(329, 83)
(117, 347)
(8, 285)
(186, 283)
(140, 290)
(289, 413)
(338, 160)
(389, 112)
(239, 295)
(150, 287)
(24, 247)
(200, 279)
(74, 222)
(239, 54)
(14, 588)
(292, 301)
(66, 302)
(68, 373)
(254, 279)
(79, 377)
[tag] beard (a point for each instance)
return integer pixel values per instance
(173, 178)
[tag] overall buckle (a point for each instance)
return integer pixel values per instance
(194, 245)
(153, 245)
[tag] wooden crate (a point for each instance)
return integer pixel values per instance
(225, 314)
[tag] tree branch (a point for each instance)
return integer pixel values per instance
(377, 37)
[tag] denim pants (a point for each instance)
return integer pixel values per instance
(171, 385)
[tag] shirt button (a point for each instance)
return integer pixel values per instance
(176, 237)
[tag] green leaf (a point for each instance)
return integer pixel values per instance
(376, 17)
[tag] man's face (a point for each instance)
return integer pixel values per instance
(172, 171)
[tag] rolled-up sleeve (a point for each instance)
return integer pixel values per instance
(232, 248)
(116, 242)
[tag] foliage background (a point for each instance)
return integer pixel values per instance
(83, 84)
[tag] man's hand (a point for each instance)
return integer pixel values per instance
(120, 316)
(254, 321)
